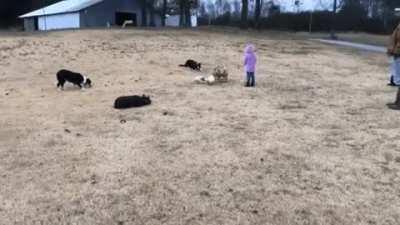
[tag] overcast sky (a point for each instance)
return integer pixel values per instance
(288, 5)
(305, 5)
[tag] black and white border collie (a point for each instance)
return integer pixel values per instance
(72, 77)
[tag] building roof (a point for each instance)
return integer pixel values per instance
(65, 6)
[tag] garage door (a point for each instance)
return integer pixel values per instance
(62, 21)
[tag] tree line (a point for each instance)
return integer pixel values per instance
(375, 16)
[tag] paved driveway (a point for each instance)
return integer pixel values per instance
(365, 47)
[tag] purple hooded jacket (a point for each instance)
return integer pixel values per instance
(250, 59)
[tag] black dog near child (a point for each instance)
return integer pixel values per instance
(192, 65)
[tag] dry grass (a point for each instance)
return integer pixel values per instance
(312, 144)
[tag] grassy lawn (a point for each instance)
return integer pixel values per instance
(313, 143)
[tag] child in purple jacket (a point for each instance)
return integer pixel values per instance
(250, 61)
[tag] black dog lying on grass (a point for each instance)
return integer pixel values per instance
(192, 65)
(125, 102)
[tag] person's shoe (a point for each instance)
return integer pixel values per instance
(396, 104)
(391, 83)
(393, 106)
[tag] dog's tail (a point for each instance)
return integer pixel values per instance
(182, 65)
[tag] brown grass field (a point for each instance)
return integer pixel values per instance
(312, 144)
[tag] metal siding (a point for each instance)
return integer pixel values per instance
(29, 24)
(98, 15)
(104, 12)
(82, 19)
(158, 20)
(61, 21)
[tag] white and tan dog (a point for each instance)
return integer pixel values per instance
(205, 80)
(210, 80)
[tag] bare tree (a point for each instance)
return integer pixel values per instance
(144, 12)
(236, 8)
(185, 11)
(333, 23)
(202, 9)
(182, 12)
(164, 12)
(211, 11)
(150, 5)
(188, 19)
(219, 4)
(257, 13)
(227, 7)
(245, 12)
(297, 5)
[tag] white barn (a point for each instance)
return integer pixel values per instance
(69, 14)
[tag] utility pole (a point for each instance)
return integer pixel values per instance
(164, 12)
(245, 12)
(310, 22)
(257, 14)
(44, 15)
(297, 5)
(333, 22)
